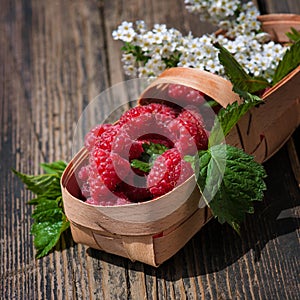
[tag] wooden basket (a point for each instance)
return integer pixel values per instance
(277, 25)
(153, 231)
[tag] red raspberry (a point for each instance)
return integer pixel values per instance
(107, 138)
(117, 140)
(125, 146)
(94, 134)
(97, 189)
(191, 136)
(148, 124)
(186, 95)
(152, 108)
(85, 190)
(113, 199)
(83, 173)
(135, 188)
(193, 113)
(168, 171)
(110, 166)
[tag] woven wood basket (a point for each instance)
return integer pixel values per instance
(153, 231)
(277, 25)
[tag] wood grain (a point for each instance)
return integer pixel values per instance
(56, 57)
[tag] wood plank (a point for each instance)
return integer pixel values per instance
(50, 50)
(273, 6)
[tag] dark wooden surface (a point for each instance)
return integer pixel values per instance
(55, 57)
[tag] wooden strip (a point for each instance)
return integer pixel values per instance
(294, 159)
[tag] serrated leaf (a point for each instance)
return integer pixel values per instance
(48, 233)
(49, 218)
(46, 210)
(293, 35)
(141, 165)
(289, 62)
(154, 148)
(237, 75)
(54, 168)
(37, 183)
(230, 180)
(151, 152)
(228, 117)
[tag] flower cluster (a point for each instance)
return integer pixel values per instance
(146, 53)
(230, 15)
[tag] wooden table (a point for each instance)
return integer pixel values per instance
(56, 56)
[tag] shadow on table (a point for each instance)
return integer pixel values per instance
(216, 246)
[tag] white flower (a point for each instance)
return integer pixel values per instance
(160, 28)
(125, 32)
(213, 66)
(231, 46)
(130, 70)
(141, 26)
(128, 58)
(142, 72)
(125, 26)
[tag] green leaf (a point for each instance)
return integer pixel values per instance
(237, 75)
(230, 180)
(151, 152)
(47, 233)
(228, 117)
(54, 168)
(293, 35)
(289, 62)
(141, 165)
(38, 184)
(154, 148)
(136, 51)
(48, 215)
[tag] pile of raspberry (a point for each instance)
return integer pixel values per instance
(109, 179)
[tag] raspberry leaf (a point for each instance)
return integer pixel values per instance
(151, 152)
(238, 75)
(293, 35)
(230, 180)
(56, 167)
(154, 148)
(48, 215)
(141, 165)
(50, 222)
(289, 62)
(229, 116)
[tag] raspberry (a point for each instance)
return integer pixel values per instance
(191, 136)
(107, 138)
(125, 146)
(83, 173)
(116, 140)
(97, 189)
(192, 112)
(186, 95)
(167, 171)
(112, 200)
(152, 108)
(148, 124)
(135, 188)
(85, 190)
(110, 166)
(94, 134)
